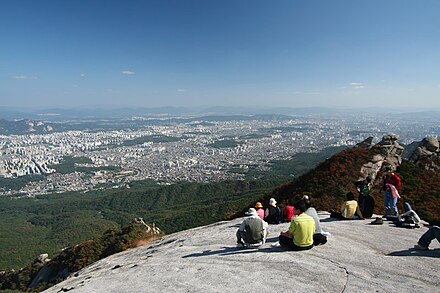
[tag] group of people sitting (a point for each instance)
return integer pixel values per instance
(304, 231)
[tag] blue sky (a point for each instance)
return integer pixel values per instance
(230, 53)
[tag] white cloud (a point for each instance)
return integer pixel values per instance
(181, 90)
(83, 75)
(22, 77)
(357, 85)
(127, 72)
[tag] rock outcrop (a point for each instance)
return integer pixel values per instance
(388, 152)
(427, 154)
(358, 257)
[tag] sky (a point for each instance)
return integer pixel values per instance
(284, 53)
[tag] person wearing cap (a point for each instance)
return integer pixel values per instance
(259, 209)
(252, 231)
(301, 230)
(391, 185)
(272, 214)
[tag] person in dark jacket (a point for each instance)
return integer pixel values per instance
(272, 215)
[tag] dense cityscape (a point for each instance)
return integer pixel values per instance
(193, 150)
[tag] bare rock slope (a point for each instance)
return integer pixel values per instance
(358, 257)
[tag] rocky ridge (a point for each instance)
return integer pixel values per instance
(358, 257)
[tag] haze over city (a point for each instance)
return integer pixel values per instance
(212, 53)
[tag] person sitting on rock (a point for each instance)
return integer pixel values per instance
(319, 237)
(427, 237)
(260, 210)
(301, 230)
(272, 214)
(252, 231)
(349, 209)
(288, 211)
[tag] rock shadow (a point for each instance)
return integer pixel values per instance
(415, 252)
(234, 250)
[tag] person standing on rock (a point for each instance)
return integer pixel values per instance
(365, 200)
(391, 185)
(301, 230)
(252, 231)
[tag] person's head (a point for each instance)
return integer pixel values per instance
(251, 212)
(258, 205)
(306, 200)
(368, 179)
(300, 207)
(389, 169)
(272, 202)
(350, 195)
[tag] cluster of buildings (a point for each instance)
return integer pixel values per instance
(195, 154)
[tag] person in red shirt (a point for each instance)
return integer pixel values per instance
(391, 184)
(288, 211)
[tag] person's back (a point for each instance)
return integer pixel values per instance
(349, 208)
(288, 211)
(273, 215)
(312, 213)
(254, 230)
(301, 230)
(304, 228)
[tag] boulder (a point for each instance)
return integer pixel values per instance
(431, 144)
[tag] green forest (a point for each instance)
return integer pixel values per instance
(48, 223)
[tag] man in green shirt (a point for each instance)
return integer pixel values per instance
(300, 233)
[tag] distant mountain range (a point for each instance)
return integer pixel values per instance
(63, 114)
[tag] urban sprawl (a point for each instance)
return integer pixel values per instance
(197, 151)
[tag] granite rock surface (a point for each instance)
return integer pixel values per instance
(358, 257)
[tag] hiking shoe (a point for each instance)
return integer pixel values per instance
(378, 221)
(239, 245)
(420, 247)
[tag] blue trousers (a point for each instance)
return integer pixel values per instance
(390, 204)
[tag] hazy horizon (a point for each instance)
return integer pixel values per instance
(195, 53)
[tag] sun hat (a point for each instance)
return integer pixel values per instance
(258, 205)
(251, 212)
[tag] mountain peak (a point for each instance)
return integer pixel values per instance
(357, 258)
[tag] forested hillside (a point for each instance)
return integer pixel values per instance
(46, 224)
(332, 179)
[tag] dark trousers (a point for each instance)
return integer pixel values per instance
(319, 239)
(287, 242)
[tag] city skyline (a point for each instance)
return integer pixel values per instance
(225, 53)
